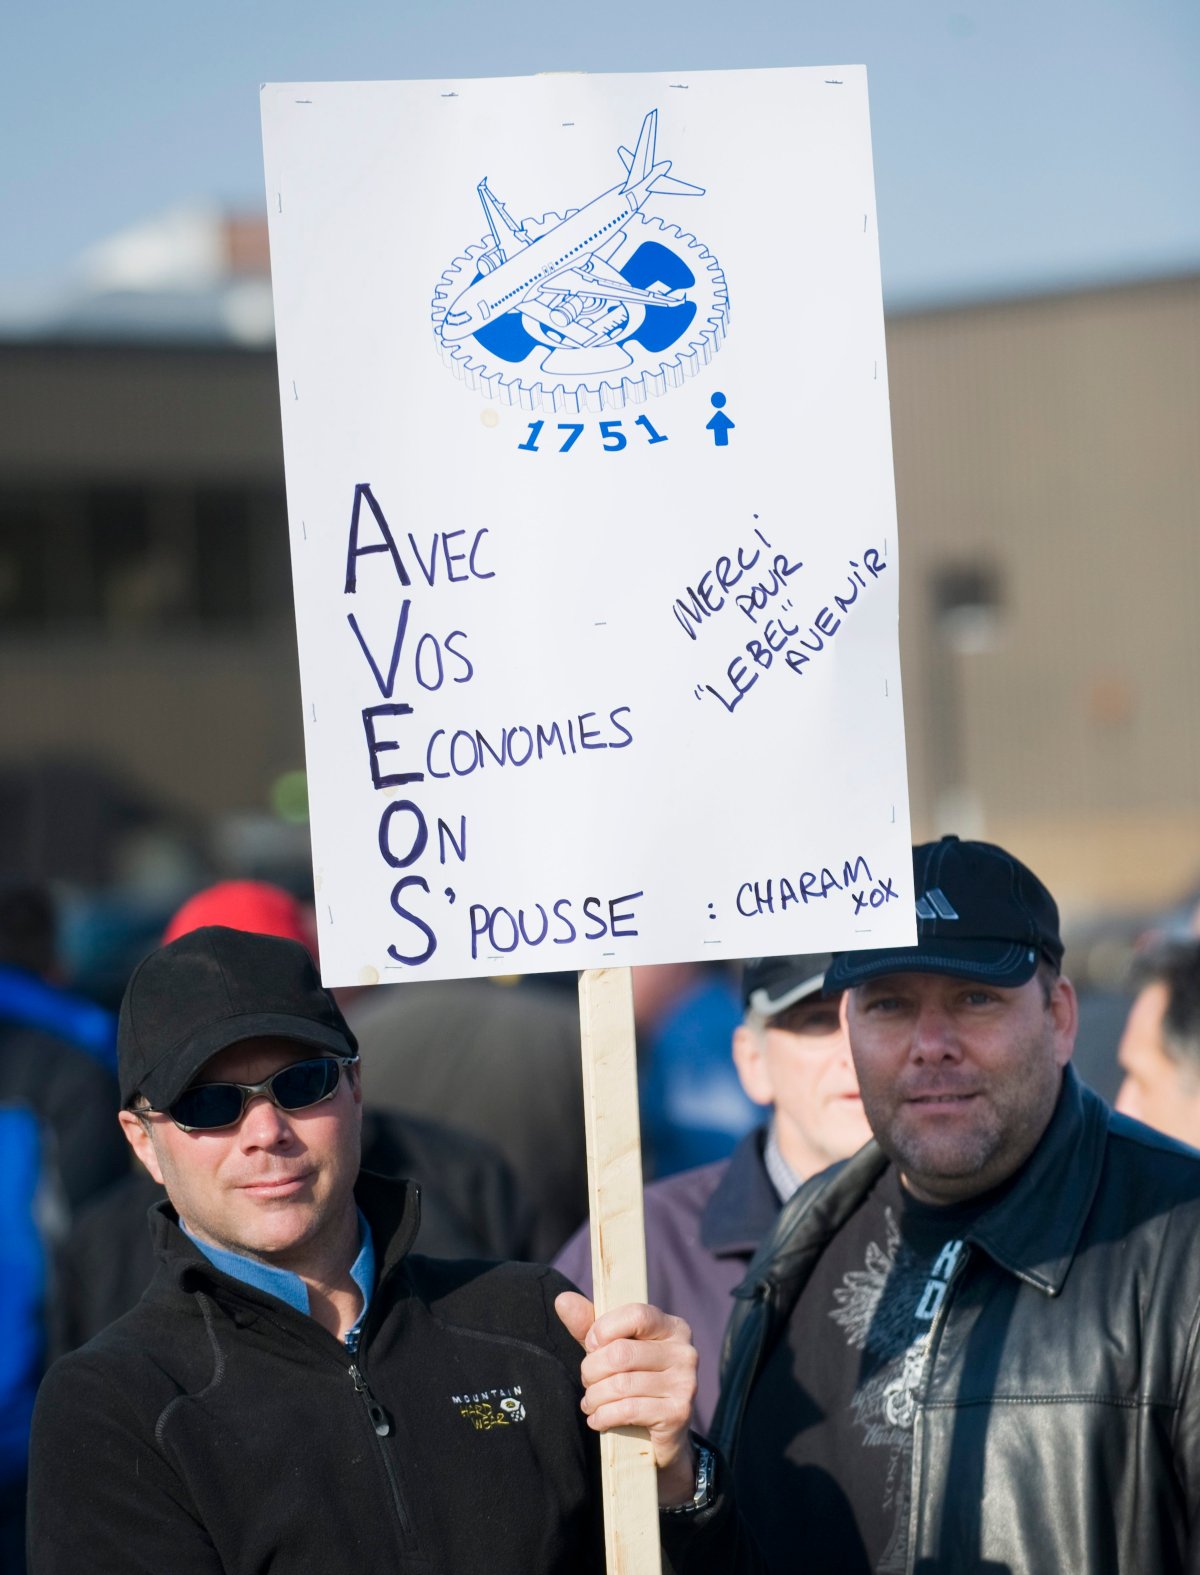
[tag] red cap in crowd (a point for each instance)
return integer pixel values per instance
(253, 905)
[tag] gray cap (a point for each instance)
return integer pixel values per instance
(772, 984)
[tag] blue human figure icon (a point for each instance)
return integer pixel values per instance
(720, 426)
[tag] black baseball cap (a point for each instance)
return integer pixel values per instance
(772, 984)
(212, 988)
(981, 914)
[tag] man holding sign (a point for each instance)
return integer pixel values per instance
(296, 1390)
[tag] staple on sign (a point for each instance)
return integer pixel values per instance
(329, 911)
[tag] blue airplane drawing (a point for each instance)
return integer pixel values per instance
(564, 277)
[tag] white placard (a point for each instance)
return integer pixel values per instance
(593, 530)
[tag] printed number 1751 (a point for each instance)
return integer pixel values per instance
(612, 437)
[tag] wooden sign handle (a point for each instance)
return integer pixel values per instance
(614, 1154)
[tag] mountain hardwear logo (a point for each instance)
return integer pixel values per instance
(491, 1408)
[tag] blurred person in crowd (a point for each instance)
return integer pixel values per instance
(972, 1346)
(703, 1225)
(31, 988)
(471, 1205)
(59, 1144)
(256, 905)
(1159, 1053)
(499, 1061)
(300, 1391)
(694, 1109)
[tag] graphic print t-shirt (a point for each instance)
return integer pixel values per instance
(824, 1465)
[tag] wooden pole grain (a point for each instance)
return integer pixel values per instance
(614, 1155)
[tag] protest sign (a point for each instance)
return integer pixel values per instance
(593, 536)
(593, 533)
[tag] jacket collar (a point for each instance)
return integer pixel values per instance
(1020, 1233)
(1035, 1242)
(393, 1211)
(810, 1219)
(744, 1204)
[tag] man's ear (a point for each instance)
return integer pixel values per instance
(140, 1141)
(750, 1058)
(1064, 1010)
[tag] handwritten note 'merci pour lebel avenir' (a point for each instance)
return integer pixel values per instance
(592, 519)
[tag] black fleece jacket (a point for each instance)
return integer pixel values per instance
(213, 1430)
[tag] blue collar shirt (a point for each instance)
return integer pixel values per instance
(289, 1287)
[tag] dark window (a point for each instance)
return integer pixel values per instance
(26, 532)
(137, 555)
(142, 560)
(225, 588)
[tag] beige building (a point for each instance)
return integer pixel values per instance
(1048, 475)
(1047, 469)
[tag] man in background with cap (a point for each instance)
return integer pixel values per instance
(295, 1392)
(974, 1345)
(703, 1225)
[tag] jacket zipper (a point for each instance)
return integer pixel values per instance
(381, 1423)
(935, 1336)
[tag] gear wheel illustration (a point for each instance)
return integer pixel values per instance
(548, 384)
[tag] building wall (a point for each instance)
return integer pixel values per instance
(1051, 444)
(145, 590)
(1047, 467)
(103, 412)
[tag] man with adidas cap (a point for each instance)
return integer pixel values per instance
(974, 1346)
(297, 1391)
(704, 1224)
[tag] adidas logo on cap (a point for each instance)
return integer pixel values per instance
(935, 905)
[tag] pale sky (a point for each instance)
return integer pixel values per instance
(1019, 145)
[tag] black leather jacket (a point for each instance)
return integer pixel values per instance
(1059, 1425)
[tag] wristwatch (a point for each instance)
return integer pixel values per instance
(706, 1467)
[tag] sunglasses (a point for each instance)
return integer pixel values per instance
(206, 1107)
